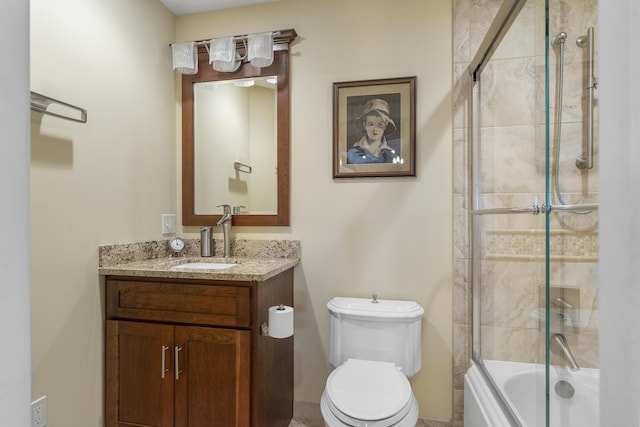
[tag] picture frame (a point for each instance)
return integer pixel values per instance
(374, 124)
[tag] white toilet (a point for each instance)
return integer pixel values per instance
(374, 345)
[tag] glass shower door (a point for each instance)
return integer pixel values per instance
(572, 220)
(534, 211)
(508, 214)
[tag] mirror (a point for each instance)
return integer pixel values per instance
(234, 137)
(235, 140)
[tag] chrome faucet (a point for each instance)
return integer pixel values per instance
(225, 222)
(564, 348)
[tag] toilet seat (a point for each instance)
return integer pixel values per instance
(371, 393)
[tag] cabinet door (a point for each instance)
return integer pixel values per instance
(213, 387)
(140, 381)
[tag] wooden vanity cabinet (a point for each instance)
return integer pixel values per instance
(189, 353)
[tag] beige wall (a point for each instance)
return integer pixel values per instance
(109, 180)
(388, 236)
(105, 181)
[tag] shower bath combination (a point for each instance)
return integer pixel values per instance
(528, 368)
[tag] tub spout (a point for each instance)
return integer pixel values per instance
(564, 348)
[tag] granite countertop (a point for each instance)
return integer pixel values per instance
(256, 260)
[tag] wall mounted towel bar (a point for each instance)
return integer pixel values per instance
(538, 209)
(241, 167)
(40, 103)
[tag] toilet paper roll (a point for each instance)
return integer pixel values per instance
(280, 321)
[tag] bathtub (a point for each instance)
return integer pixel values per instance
(523, 386)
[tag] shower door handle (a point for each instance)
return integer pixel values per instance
(587, 41)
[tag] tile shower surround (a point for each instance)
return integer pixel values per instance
(512, 242)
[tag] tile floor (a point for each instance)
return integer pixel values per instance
(302, 422)
(305, 422)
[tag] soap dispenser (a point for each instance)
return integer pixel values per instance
(206, 241)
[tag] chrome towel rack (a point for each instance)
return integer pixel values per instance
(537, 209)
(241, 167)
(40, 103)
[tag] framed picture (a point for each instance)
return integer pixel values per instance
(374, 124)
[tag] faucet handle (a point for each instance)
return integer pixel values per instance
(237, 209)
(227, 208)
(561, 303)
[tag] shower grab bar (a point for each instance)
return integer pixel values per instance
(586, 161)
(536, 209)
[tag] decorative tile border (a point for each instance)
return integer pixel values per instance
(526, 245)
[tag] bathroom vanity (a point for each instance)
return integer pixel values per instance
(187, 348)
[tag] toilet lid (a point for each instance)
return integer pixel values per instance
(368, 390)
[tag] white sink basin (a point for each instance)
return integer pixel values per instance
(203, 266)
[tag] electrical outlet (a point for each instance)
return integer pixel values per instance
(39, 412)
(168, 223)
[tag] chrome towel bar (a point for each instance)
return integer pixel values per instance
(40, 103)
(536, 209)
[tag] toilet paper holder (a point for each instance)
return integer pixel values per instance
(281, 317)
(264, 329)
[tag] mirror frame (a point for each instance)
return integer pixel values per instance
(206, 73)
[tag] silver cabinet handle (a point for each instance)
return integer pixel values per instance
(164, 352)
(176, 351)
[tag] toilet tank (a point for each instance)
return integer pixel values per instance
(385, 331)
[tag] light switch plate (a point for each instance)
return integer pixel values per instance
(168, 223)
